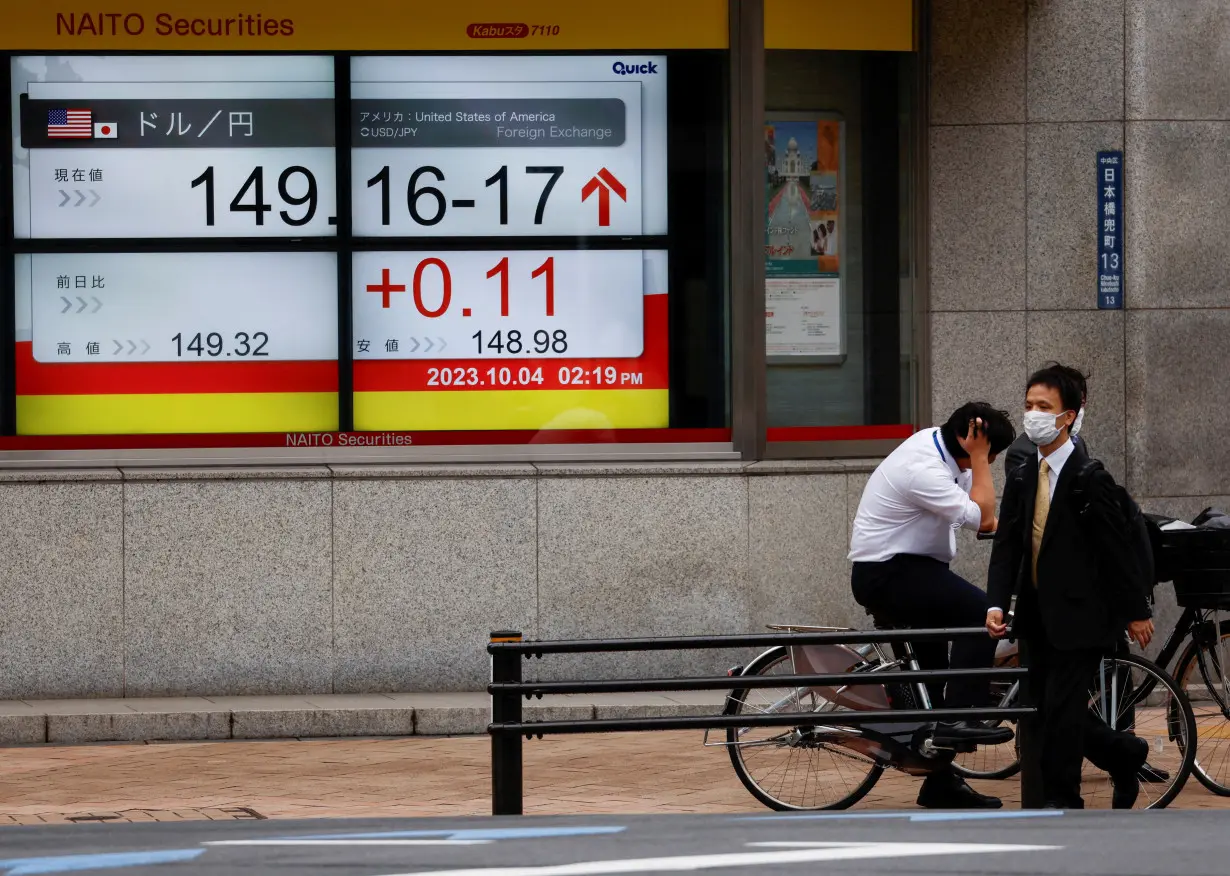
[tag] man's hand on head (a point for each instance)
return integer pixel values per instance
(977, 443)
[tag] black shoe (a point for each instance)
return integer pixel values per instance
(1151, 775)
(1127, 789)
(1127, 778)
(948, 791)
(951, 731)
(1063, 807)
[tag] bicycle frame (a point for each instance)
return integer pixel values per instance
(891, 743)
(1203, 626)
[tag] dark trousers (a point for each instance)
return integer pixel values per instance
(911, 591)
(1055, 743)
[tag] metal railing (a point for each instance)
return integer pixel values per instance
(508, 725)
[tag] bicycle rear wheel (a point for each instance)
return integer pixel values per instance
(794, 768)
(1134, 695)
(1202, 675)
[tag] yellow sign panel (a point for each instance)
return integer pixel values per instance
(174, 413)
(866, 25)
(366, 25)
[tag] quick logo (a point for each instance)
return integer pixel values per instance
(619, 68)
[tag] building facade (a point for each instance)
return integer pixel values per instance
(853, 216)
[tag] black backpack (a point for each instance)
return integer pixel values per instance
(1143, 534)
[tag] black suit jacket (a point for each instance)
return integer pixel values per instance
(1087, 590)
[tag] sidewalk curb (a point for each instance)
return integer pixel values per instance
(90, 724)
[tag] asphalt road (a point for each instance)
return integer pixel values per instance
(1079, 843)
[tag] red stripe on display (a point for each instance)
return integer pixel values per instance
(411, 375)
(144, 378)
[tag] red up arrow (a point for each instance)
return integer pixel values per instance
(604, 182)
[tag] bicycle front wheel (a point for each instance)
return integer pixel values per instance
(1001, 761)
(794, 768)
(1135, 696)
(1202, 674)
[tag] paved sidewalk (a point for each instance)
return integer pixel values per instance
(617, 773)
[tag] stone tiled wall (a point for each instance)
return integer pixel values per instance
(1023, 94)
(311, 580)
(378, 579)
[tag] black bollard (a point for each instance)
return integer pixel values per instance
(506, 747)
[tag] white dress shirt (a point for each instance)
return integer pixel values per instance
(1055, 462)
(914, 503)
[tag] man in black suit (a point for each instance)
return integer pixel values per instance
(1021, 451)
(1028, 730)
(1075, 590)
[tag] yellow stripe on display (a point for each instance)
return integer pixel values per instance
(371, 25)
(171, 414)
(512, 409)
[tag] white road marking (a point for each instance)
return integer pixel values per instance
(349, 842)
(807, 845)
(831, 852)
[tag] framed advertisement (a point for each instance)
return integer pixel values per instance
(803, 238)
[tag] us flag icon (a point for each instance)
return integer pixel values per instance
(70, 124)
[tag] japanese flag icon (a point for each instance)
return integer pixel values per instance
(105, 130)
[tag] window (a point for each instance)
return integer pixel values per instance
(838, 245)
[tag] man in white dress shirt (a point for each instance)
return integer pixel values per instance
(903, 540)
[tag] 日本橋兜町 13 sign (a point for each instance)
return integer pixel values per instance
(1110, 230)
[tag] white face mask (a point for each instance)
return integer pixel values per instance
(1041, 427)
(1080, 420)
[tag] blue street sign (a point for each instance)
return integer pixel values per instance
(1110, 230)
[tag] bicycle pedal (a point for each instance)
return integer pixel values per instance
(958, 746)
(966, 742)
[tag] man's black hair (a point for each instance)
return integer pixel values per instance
(1082, 380)
(997, 423)
(1068, 382)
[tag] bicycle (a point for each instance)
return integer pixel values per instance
(834, 767)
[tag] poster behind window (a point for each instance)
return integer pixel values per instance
(804, 184)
